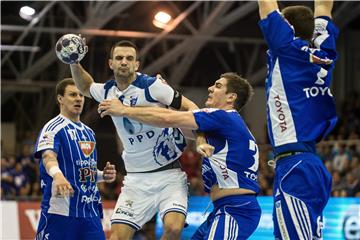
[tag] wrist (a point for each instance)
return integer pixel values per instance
(100, 176)
(54, 170)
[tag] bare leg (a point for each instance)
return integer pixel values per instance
(121, 232)
(173, 225)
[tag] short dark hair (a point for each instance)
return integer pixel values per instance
(302, 19)
(61, 86)
(123, 43)
(240, 86)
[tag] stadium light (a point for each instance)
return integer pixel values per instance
(161, 19)
(27, 13)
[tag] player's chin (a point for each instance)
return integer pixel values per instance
(208, 103)
(77, 110)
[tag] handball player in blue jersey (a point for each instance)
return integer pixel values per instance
(71, 206)
(301, 111)
(230, 174)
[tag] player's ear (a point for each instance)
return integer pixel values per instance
(59, 98)
(110, 64)
(232, 97)
(137, 65)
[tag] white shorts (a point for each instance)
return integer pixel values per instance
(145, 194)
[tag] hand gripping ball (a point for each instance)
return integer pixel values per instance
(70, 48)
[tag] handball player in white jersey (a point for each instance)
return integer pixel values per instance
(154, 181)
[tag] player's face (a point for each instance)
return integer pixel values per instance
(123, 62)
(217, 97)
(72, 103)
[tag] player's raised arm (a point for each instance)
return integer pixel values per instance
(61, 185)
(266, 7)
(323, 8)
(82, 78)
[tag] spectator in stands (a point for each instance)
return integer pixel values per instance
(29, 165)
(20, 181)
(341, 160)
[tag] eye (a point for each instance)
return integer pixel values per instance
(119, 58)
(130, 58)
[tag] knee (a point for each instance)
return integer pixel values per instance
(173, 231)
(120, 234)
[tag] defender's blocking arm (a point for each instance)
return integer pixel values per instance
(266, 7)
(323, 8)
(82, 78)
(160, 117)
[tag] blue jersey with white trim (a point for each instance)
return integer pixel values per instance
(75, 146)
(145, 147)
(300, 106)
(235, 161)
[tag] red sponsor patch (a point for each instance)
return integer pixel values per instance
(87, 147)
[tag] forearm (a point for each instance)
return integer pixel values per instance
(323, 8)
(50, 162)
(160, 117)
(187, 104)
(266, 7)
(82, 78)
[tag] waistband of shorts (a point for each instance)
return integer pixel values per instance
(234, 199)
(173, 165)
(286, 154)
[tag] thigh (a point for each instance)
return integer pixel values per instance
(89, 228)
(173, 194)
(51, 226)
(135, 206)
(300, 195)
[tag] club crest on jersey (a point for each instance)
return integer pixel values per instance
(133, 101)
(87, 147)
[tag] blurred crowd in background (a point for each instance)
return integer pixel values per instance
(340, 152)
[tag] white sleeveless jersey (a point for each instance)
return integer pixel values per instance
(145, 147)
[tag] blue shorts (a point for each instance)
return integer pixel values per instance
(302, 188)
(57, 227)
(233, 217)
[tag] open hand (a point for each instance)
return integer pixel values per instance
(62, 186)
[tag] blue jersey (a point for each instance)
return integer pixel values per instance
(75, 146)
(300, 106)
(235, 161)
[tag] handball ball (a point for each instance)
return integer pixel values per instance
(70, 48)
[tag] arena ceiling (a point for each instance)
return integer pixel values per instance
(205, 39)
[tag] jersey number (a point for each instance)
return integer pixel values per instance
(254, 147)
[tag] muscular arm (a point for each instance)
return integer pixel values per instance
(187, 104)
(61, 184)
(82, 78)
(49, 160)
(160, 117)
(266, 7)
(323, 8)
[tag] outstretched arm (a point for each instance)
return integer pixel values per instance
(323, 8)
(266, 7)
(156, 116)
(82, 78)
(60, 183)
